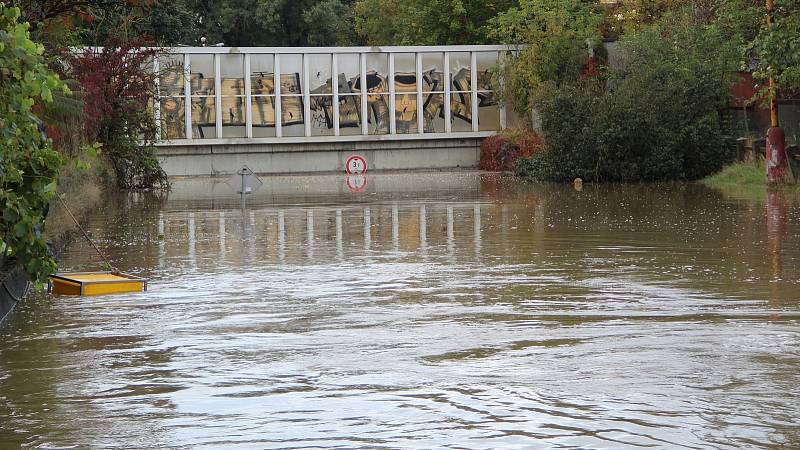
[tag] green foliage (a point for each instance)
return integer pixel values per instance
(165, 22)
(420, 22)
(776, 50)
(268, 22)
(28, 164)
(557, 35)
(659, 116)
(90, 153)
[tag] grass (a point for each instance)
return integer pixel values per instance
(745, 181)
(740, 174)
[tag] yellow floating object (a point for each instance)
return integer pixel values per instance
(96, 283)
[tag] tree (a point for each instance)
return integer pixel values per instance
(421, 22)
(268, 22)
(557, 36)
(119, 85)
(28, 164)
(775, 51)
(164, 22)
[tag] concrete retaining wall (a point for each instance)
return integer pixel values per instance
(281, 158)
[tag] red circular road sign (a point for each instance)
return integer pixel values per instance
(356, 182)
(356, 164)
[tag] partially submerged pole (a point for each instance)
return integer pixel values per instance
(777, 163)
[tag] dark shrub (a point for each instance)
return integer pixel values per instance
(657, 116)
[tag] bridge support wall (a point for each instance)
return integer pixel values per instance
(216, 159)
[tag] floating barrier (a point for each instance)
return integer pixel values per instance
(96, 283)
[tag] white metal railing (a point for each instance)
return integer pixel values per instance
(282, 94)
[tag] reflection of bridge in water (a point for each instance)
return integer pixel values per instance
(295, 234)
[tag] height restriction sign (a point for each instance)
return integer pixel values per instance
(356, 164)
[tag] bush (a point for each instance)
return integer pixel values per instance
(119, 84)
(658, 116)
(28, 164)
(500, 152)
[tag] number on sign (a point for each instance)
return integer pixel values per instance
(356, 164)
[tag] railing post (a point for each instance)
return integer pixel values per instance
(420, 103)
(364, 105)
(277, 85)
(392, 97)
(306, 97)
(218, 94)
(248, 93)
(335, 90)
(448, 123)
(187, 94)
(473, 69)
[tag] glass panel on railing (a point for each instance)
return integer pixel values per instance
(233, 117)
(487, 63)
(461, 109)
(460, 74)
(173, 125)
(349, 115)
(202, 74)
(433, 113)
(232, 74)
(321, 115)
(405, 113)
(377, 72)
(262, 74)
(433, 72)
(170, 75)
(291, 74)
(405, 72)
(263, 110)
(378, 110)
(204, 118)
(292, 116)
(349, 72)
(319, 73)
(489, 117)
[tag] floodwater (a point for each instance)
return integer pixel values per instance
(430, 310)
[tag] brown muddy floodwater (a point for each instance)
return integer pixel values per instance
(435, 310)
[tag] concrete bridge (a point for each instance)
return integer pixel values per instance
(293, 110)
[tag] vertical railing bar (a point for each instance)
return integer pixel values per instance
(306, 96)
(157, 98)
(504, 108)
(187, 93)
(248, 95)
(364, 106)
(473, 68)
(276, 67)
(218, 94)
(448, 125)
(335, 91)
(392, 97)
(420, 116)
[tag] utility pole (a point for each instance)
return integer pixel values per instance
(777, 163)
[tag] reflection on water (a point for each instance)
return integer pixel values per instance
(477, 313)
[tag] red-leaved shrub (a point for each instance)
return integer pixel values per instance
(499, 152)
(119, 85)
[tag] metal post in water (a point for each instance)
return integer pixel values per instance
(243, 191)
(451, 235)
(395, 228)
